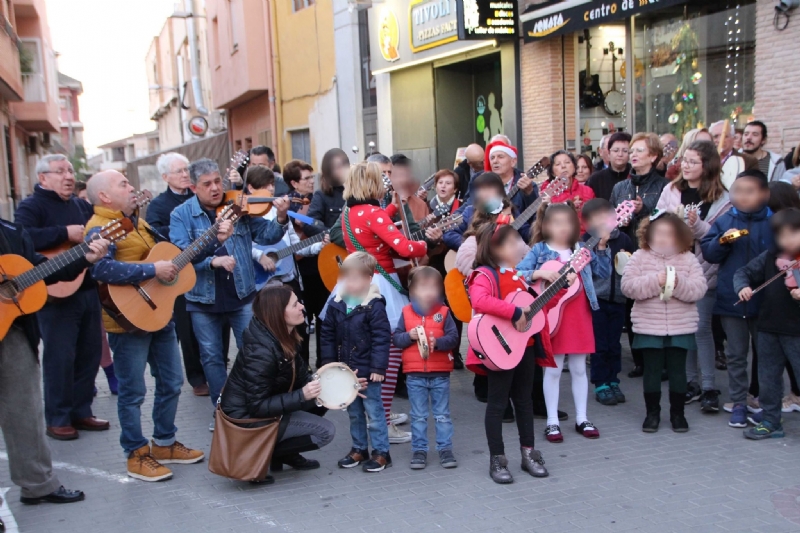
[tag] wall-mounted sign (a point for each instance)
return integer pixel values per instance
(198, 126)
(431, 23)
(389, 35)
(487, 19)
(548, 22)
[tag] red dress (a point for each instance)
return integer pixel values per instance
(576, 334)
(579, 194)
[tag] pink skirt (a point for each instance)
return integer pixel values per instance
(576, 334)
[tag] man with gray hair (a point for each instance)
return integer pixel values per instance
(602, 153)
(174, 170)
(225, 287)
(733, 163)
(54, 218)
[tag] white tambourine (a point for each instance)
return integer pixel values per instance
(339, 386)
(620, 260)
(422, 342)
(669, 286)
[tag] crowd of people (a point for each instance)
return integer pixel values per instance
(668, 242)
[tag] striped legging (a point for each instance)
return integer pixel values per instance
(390, 382)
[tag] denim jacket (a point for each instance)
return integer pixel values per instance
(188, 222)
(540, 254)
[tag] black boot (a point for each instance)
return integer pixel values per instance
(498, 469)
(652, 401)
(677, 402)
(288, 453)
(533, 462)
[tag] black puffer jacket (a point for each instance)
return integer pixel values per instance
(648, 187)
(325, 208)
(360, 339)
(258, 385)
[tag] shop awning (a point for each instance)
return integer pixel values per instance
(572, 15)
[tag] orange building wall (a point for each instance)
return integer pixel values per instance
(248, 120)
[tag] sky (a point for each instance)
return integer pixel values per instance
(103, 44)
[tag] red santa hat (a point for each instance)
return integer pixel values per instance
(497, 146)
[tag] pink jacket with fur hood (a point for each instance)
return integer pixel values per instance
(651, 315)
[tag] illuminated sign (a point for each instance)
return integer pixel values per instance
(586, 15)
(487, 19)
(431, 23)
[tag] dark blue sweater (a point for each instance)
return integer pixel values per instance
(161, 207)
(731, 257)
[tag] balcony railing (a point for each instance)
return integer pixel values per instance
(34, 85)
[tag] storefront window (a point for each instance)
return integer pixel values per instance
(693, 65)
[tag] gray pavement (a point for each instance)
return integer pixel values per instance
(707, 480)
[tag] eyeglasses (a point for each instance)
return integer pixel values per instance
(690, 163)
(60, 172)
(311, 177)
(619, 150)
(639, 151)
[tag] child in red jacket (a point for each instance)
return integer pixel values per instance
(427, 334)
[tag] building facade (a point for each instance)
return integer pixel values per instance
(437, 89)
(117, 154)
(29, 101)
(179, 79)
(71, 127)
(590, 68)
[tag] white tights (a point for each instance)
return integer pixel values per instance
(580, 387)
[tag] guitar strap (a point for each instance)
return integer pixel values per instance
(381, 270)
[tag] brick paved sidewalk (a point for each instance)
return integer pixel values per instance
(708, 480)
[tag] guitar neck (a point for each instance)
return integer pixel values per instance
(302, 245)
(527, 214)
(51, 266)
(549, 292)
(193, 250)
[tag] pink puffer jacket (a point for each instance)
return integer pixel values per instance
(651, 315)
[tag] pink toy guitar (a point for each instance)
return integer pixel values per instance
(624, 213)
(496, 341)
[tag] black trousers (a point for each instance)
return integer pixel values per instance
(638, 356)
(189, 347)
(516, 384)
(315, 294)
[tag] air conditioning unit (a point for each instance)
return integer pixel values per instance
(217, 121)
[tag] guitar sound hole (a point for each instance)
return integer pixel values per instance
(7, 290)
(170, 283)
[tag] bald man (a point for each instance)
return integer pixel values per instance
(113, 197)
(469, 169)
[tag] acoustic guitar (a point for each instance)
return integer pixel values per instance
(64, 289)
(22, 289)
(281, 254)
(147, 306)
(332, 255)
(454, 282)
(496, 341)
(624, 214)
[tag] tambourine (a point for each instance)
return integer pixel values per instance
(339, 386)
(422, 342)
(669, 286)
(620, 260)
(733, 236)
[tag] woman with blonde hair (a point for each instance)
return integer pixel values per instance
(366, 227)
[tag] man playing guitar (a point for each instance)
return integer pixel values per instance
(501, 158)
(54, 218)
(113, 198)
(225, 285)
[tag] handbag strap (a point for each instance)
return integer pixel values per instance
(256, 420)
(360, 248)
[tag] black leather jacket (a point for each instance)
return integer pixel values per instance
(325, 208)
(258, 385)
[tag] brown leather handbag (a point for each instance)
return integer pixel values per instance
(243, 453)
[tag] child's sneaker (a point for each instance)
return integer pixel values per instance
(709, 401)
(354, 458)
(738, 416)
(377, 462)
(790, 403)
(693, 392)
(617, 392)
(753, 404)
(553, 433)
(447, 459)
(764, 430)
(397, 436)
(398, 418)
(605, 395)
(419, 460)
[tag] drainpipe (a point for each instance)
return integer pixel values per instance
(274, 75)
(194, 60)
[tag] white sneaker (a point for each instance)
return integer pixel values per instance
(790, 403)
(398, 418)
(213, 423)
(397, 436)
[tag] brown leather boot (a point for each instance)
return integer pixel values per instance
(62, 432)
(142, 465)
(91, 424)
(175, 454)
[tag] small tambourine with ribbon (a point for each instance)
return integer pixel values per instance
(669, 286)
(620, 260)
(422, 343)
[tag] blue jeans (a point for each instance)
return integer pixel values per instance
(774, 351)
(208, 328)
(704, 355)
(132, 352)
(607, 358)
(420, 390)
(371, 407)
